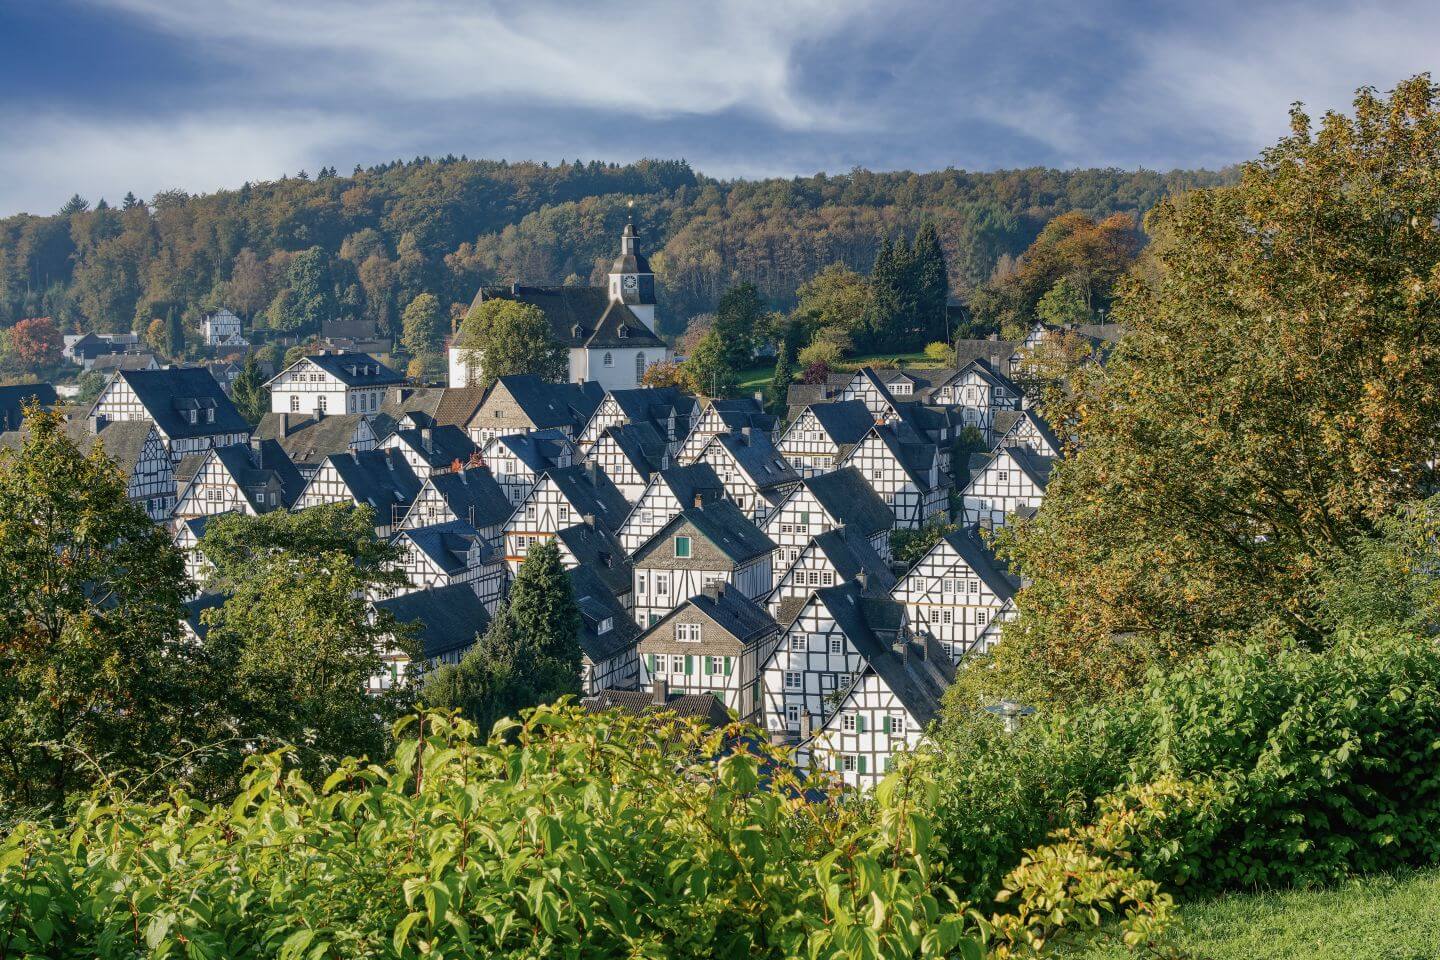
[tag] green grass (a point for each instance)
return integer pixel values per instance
(758, 378)
(1378, 918)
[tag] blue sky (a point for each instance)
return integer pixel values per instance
(104, 96)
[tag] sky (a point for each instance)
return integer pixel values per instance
(101, 97)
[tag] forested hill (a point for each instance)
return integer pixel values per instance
(388, 233)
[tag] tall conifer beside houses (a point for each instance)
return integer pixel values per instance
(525, 404)
(326, 383)
(608, 332)
(905, 471)
(518, 460)
(378, 479)
(249, 479)
(667, 493)
(820, 436)
(756, 476)
(700, 547)
(562, 498)
(1012, 479)
(669, 411)
(190, 411)
(715, 642)
(729, 415)
(136, 450)
(841, 498)
(959, 594)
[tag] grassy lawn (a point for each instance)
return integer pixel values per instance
(1379, 918)
(758, 378)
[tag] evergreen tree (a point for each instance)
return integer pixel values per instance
(931, 284)
(543, 605)
(892, 305)
(249, 393)
(174, 334)
(76, 204)
(130, 202)
(783, 377)
(312, 288)
(738, 316)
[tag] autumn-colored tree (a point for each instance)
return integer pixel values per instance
(1279, 393)
(36, 341)
(709, 366)
(668, 374)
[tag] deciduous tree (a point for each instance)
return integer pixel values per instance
(505, 337)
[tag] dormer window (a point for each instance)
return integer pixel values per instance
(194, 416)
(209, 414)
(605, 626)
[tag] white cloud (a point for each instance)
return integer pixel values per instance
(49, 156)
(651, 57)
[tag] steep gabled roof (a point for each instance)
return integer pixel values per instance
(744, 620)
(447, 545)
(1036, 466)
(597, 602)
(14, 399)
(988, 372)
(540, 451)
(199, 605)
(723, 525)
(653, 404)
(740, 412)
(996, 353)
(580, 316)
(1007, 420)
(449, 618)
(696, 479)
(853, 503)
(473, 495)
(597, 550)
(981, 559)
(255, 466)
(379, 479)
(439, 447)
(851, 554)
(591, 493)
(915, 456)
(122, 440)
(308, 441)
(846, 421)
(169, 395)
(705, 707)
(640, 444)
(764, 466)
(546, 404)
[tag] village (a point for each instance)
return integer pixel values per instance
(727, 562)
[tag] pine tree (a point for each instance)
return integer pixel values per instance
(931, 284)
(131, 201)
(249, 393)
(544, 608)
(887, 280)
(783, 377)
(174, 334)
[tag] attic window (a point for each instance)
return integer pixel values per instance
(209, 414)
(605, 625)
(682, 546)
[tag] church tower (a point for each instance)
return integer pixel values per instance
(631, 281)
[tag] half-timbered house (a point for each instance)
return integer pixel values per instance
(729, 415)
(562, 498)
(190, 411)
(608, 636)
(1011, 479)
(981, 392)
(525, 403)
(667, 493)
(630, 454)
(326, 383)
(905, 471)
(431, 449)
(717, 642)
(518, 460)
(1026, 428)
(451, 553)
(959, 594)
(136, 450)
(309, 440)
(470, 495)
(187, 534)
(378, 479)
(830, 558)
(821, 434)
(669, 411)
(756, 476)
(249, 479)
(591, 546)
(448, 620)
(700, 546)
(841, 498)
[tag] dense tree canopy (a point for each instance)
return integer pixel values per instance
(507, 337)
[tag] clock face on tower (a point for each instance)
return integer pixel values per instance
(630, 283)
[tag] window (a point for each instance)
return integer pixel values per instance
(639, 365)
(687, 632)
(848, 763)
(715, 666)
(321, 403)
(294, 403)
(605, 625)
(647, 516)
(1004, 476)
(682, 546)
(609, 361)
(212, 494)
(799, 642)
(640, 579)
(565, 511)
(974, 586)
(194, 417)
(792, 680)
(877, 474)
(792, 715)
(662, 585)
(827, 682)
(829, 578)
(896, 724)
(849, 723)
(805, 519)
(837, 645)
(934, 614)
(981, 617)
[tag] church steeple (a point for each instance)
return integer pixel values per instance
(631, 280)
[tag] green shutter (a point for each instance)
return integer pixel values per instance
(862, 763)
(650, 662)
(835, 759)
(885, 723)
(860, 723)
(707, 665)
(689, 664)
(729, 666)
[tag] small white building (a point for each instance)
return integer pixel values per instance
(222, 329)
(327, 383)
(1014, 478)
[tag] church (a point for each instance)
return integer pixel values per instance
(609, 331)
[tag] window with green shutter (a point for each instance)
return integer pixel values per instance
(860, 724)
(729, 666)
(707, 666)
(650, 662)
(682, 546)
(689, 664)
(885, 723)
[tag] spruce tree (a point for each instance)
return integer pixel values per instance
(249, 393)
(888, 281)
(174, 334)
(544, 609)
(783, 377)
(931, 283)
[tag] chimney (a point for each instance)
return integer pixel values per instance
(593, 472)
(712, 590)
(427, 439)
(805, 725)
(284, 424)
(97, 423)
(589, 520)
(745, 436)
(760, 397)
(659, 692)
(862, 580)
(515, 289)
(319, 414)
(993, 336)
(699, 500)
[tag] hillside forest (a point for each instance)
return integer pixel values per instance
(290, 254)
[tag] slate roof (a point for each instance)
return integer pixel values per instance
(199, 605)
(450, 618)
(801, 395)
(655, 404)
(254, 466)
(740, 412)
(580, 316)
(307, 441)
(691, 706)
(1006, 420)
(996, 353)
(14, 398)
(473, 495)
(847, 497)
(439, 446)
(641, 444)
(591, 493)
(764, 466)
(1036, 466)
(546, 404)
(540, 451)
(914, 455)
(722, 524)
(354, 369)
(169, 394)
(125, 361)
(982, 560)
(379, 479)
(597, 550)
(123, 441)
(850, 553)
(846, 421)
(989, 371)
(446, 544)
(597, 602)
(404, 399)
(695, 479)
